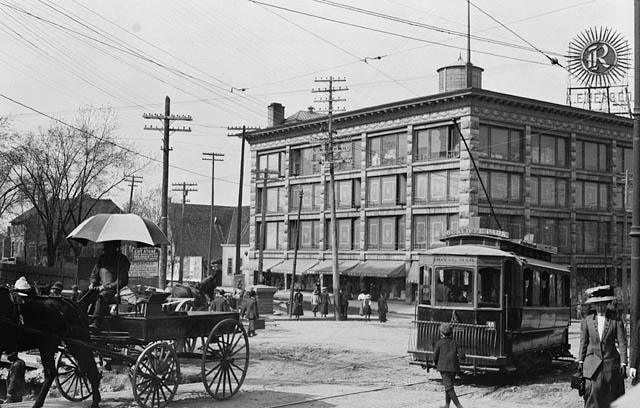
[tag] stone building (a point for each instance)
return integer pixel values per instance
(408, 170)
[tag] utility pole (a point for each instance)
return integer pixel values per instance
(133, 179)
(240, 185)
(185, 188)
(635, 217)
(295, 255)
(263, 211)
(332, 187)
(166, 129)
(212, 157)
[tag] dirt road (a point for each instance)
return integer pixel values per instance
(353, 363)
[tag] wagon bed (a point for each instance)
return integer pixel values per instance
(150, 346)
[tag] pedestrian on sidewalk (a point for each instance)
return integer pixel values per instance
(366, 307)
(601, 336)
(383, 308)
(325, 301)
(446, 357)
(315, 301)
(250, 310)
(298, 300)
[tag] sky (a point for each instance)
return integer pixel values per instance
(224, 62)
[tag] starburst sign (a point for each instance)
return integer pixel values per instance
(598, 57)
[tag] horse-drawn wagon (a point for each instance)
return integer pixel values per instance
(147, 345)
(150, 341)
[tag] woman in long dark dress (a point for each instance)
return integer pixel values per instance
(383, 308)
(324, 302)
(297, 304)
(603, 350)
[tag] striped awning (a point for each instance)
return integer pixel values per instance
(379, 269)
(267, 263)
(302, 265)
(414, 273)
(326, 267)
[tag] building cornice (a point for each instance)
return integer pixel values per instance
(469, 96)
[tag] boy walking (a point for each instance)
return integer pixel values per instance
(446, 357)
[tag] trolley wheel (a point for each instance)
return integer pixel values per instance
(155, 376)
(71, 381)
(225, 359)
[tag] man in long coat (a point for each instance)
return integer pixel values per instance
(250, 311)
(603, 364)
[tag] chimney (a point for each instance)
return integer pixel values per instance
(276, 115)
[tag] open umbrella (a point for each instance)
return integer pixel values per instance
(127, 228)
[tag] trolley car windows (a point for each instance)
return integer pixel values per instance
(489, 287)
(454, 286)
(527, 289)
(544, 288)
(425, 297)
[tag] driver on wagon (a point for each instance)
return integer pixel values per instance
(110, 274)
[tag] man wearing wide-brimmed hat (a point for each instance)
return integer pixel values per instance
(603, 350)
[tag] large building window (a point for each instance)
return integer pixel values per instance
(549, 150)
(276, 199)
(387, 150)
(624, 191)
(304, 162)
(591, 156)
(386, 233)
(591, 236)
(274, 237)
(549, 192)
(272, 161)
(348, 233)
(624, 159)
(311, 196)
(387, 190)
(552, 231)
(436, 186)
(501, 186)
(427, 229)
(436, 143)
(347, 155)
(513, 224)
(347, 193)
(591, 195)
(500, 143)
(309, 234)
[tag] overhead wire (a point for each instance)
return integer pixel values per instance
(393, 33)
(126, 51)
(127, 149)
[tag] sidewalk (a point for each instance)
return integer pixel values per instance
(398, 307)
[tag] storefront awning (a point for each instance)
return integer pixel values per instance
(379, 269)
(544, 264)
(302, 265)
(326, 267)
(267, 263)
(414, 273)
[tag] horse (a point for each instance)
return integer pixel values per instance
(47, 320)
(191, 291)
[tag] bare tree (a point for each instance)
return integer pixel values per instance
(147, 204)
(8, 191)
(64, 170)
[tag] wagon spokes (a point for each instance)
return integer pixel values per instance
(155, 376)
(225, 359)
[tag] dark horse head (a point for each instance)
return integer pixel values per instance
(47, 321)
(191, 291)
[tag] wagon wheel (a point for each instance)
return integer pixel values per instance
(71, 381)
(187, 345)
(155, 376)
(225, 359)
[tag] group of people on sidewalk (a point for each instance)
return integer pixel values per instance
(320, 301)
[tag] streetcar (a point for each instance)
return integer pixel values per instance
(508, 303)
